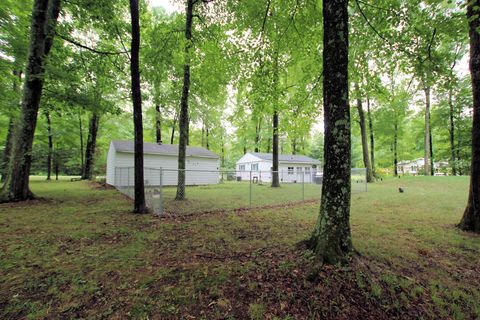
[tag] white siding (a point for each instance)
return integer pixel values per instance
(264, 171)
(110, 178)
(200, 171)
(248, 158)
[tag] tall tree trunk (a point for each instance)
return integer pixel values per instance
(50, 145)
(56, 169)
(372, 140)
(87, 171)
(363, 132)
(294, 146)
(452, 132)
(184, 123)
(275, 162)
(139, 188)
(8, 148)
(258, 128)
(188, 132)
(275, 174)
(427, 142)
(10, 131)
(44, 17)
(82, 162)
(471, 217)
(395, 148)
(174, 125)
(158, 124)
(331, 239)
(56, 162)
(208, 142)
(203, 133)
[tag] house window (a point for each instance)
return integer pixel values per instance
(290, 170)
(254, 166)
(241, 167)
(299, 169)
(307, 170)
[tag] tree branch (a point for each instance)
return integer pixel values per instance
(266, 14)
(123, 44)
(78, 44)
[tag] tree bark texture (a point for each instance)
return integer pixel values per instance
(44, 17)
(258, 128)
(87, 172)
(158, 124)
(174, 125)
(331, 239)
(363, 132)
(471, 217)
(10, 130)
(207, 137)
(275, 173)
(275, 161)
(139, 205)
(8, 148)
(184, 117)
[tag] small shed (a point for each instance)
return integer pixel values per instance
(292, 168)
(202, 165)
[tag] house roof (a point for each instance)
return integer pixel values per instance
(163, 149)
(286, 158)
(418, 161)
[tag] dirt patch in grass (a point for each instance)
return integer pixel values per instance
(27, 203)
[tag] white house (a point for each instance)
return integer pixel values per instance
(202, 165)
(292, 168)
(415, 167)
(412, 167)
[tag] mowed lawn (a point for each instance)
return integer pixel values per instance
(231, 195)
(80, 253)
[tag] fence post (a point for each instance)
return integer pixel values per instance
(250, 188)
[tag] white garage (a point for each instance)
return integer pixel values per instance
(160, 161)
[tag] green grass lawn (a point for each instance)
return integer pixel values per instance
(80, 253)
(238, 195)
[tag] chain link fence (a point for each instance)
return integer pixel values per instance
(220, 190)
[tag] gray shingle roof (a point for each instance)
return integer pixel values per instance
(286, 158)
(165, 149)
